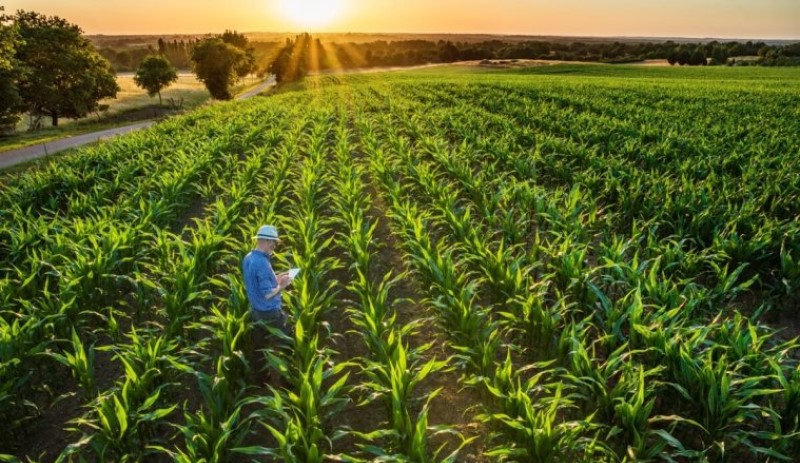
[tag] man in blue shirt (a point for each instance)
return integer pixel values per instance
(264, 287)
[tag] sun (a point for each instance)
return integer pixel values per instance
(311, 13)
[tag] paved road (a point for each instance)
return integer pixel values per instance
(9, 158)
(264, 85)
(12, 157)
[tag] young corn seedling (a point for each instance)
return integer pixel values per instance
(635, 428)
(122, 422)
(297, 420)
(538, 434)
(214, 431)
(81, 362)
(723, 402)
(121, 429)
(787, 403)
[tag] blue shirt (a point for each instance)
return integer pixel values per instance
(260, 280)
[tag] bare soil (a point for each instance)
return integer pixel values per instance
(46, 435)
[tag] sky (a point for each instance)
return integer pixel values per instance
(746, 19)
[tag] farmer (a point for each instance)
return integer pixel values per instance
(264, 287)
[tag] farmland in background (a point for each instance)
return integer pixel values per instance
(131, 104)
(130, 97)
(557, 263)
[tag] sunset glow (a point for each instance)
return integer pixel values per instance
(633, 18)
(311, 14)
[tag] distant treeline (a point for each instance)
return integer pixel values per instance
(179, 53)
(414, 52)
(420, 52)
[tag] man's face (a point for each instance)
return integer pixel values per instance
(271, 245)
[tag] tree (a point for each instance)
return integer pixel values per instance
(65, 77)
(10, 73)
(697, 57)
(683, 55)
(449, 52)
(216, 64)
(292, 61)
(221, 61)
(672, 58)
(248, 64)
(154, 74)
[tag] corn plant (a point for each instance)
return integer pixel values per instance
(537, 434)
(788, 407)
(81, 362)
(723, 402)
(122, 422)
(543, 217)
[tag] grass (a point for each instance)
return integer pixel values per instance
(187, 87)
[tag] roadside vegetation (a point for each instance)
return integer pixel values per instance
(51, 73)
(131, 104)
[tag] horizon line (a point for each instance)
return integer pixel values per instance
(498, 34)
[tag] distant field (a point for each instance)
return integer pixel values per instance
(132, 104)
(131, 97)
(191, 90)
(586, 263)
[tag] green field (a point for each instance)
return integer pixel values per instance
(570, 263)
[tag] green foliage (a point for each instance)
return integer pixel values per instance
(248, 63)
(65, 76)
(10, 74)
(292, 64)
(220, 61)
(81, 362)
(154, 74)
(557, 245)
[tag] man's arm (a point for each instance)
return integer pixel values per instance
(271, 295)
(283, 281)
(269, 291)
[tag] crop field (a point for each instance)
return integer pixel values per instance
(569, 263)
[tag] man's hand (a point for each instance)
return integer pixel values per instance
(284, 280)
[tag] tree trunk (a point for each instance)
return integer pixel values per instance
(159, 99)
(54, 116)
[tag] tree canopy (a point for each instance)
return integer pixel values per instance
(220, 61)
(10, 74)
(65, 76)
(154, 74)
(292, 62)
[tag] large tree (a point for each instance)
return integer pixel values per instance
(66, 76)
(217, 65)
(154, 74)
(10, 74)
(248, 64)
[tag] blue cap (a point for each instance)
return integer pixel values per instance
(267, 232)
